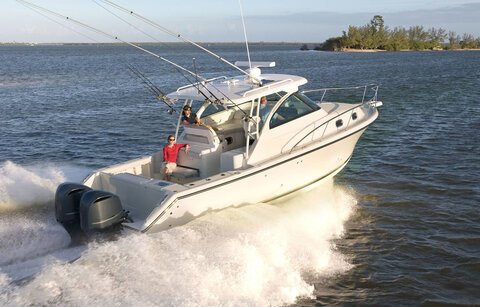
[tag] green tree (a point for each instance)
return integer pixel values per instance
(379, 33)
(398, 40)
(366, 34)
(417, 38)
(332, 44)
(352, 38)
(436, 38)
(375, 35)
(453, 40)
(468, 41)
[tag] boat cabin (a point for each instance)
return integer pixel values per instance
(238, 129)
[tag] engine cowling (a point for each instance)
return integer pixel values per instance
(67, 202)
(100, 210)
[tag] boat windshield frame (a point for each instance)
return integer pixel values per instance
(291, 107)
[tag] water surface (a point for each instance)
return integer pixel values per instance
(398, 226)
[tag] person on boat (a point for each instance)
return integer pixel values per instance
(188, 117)
(170, 154)
(265, 109)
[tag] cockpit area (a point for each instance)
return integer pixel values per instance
(227, 133)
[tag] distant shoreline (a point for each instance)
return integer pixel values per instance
(300, 45)
(360, 50)
(406, 50)
(147, 43)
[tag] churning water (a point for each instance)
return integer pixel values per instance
(259, 254)
(399, 225)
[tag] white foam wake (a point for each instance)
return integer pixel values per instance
(28, 229)
(256, 255)
(23, 187)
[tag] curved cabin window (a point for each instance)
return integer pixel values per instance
(295, 106)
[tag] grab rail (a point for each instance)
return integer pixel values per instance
(369, 104)
(373, 87)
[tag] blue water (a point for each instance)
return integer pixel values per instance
(400, 225)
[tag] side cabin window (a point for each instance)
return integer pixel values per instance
(295, 106)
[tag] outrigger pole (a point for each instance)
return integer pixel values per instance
(199, 82)
(60, 24)
(40, 9)
(179, 67)
(128, 23)
(26, 3)
(177, 35)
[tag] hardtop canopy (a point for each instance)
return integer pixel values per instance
(239, 89)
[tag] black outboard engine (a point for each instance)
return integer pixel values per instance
(67, 202)
(100, 210)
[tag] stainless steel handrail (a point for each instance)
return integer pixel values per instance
(368, 103)
(373, 87)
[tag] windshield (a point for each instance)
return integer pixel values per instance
(212, 109)
(295, 106)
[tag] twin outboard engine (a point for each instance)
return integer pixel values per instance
(79, 205)
(67, 202)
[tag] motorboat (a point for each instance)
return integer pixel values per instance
(237, 155)
(260, 137)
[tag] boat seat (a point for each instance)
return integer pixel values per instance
(183, 174)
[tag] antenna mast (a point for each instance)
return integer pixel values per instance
(245, 34)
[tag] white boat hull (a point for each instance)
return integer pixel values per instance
(264, 183)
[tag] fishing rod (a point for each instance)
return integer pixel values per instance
(179, 68)
(159, 94)
(178, 36)
(218, 90)
(198, 83)
(24, 2)
(111, 3)
(153, 88)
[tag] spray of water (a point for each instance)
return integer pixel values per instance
(29, 234)
(256, 255)
(22, 187)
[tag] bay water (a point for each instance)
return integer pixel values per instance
(400, 225)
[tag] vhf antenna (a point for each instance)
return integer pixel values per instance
(245, 34)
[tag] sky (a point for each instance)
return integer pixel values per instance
(220, 20)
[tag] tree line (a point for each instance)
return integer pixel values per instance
(375, 35)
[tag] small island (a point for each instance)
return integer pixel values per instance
(375, 36)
